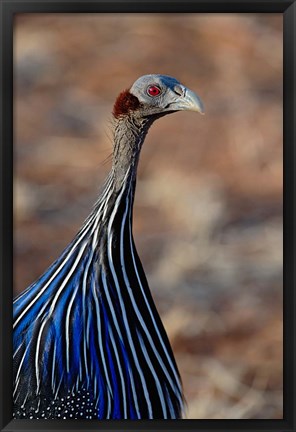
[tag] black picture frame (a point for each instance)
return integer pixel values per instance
(7, 10)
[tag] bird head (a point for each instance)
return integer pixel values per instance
(156, 95)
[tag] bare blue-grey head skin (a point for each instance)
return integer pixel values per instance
(137, 108)
(173, 95)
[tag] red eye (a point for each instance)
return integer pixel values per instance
(153, 90)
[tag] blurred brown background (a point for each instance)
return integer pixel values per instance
(208, 210)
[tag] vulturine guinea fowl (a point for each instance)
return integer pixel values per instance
(88, 341)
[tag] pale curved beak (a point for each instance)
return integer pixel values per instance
(189, 101)
(192, 102)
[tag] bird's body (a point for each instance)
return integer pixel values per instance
(88, 341)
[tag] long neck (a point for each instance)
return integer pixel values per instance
(129, 135)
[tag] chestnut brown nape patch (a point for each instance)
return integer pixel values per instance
(125, 103)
